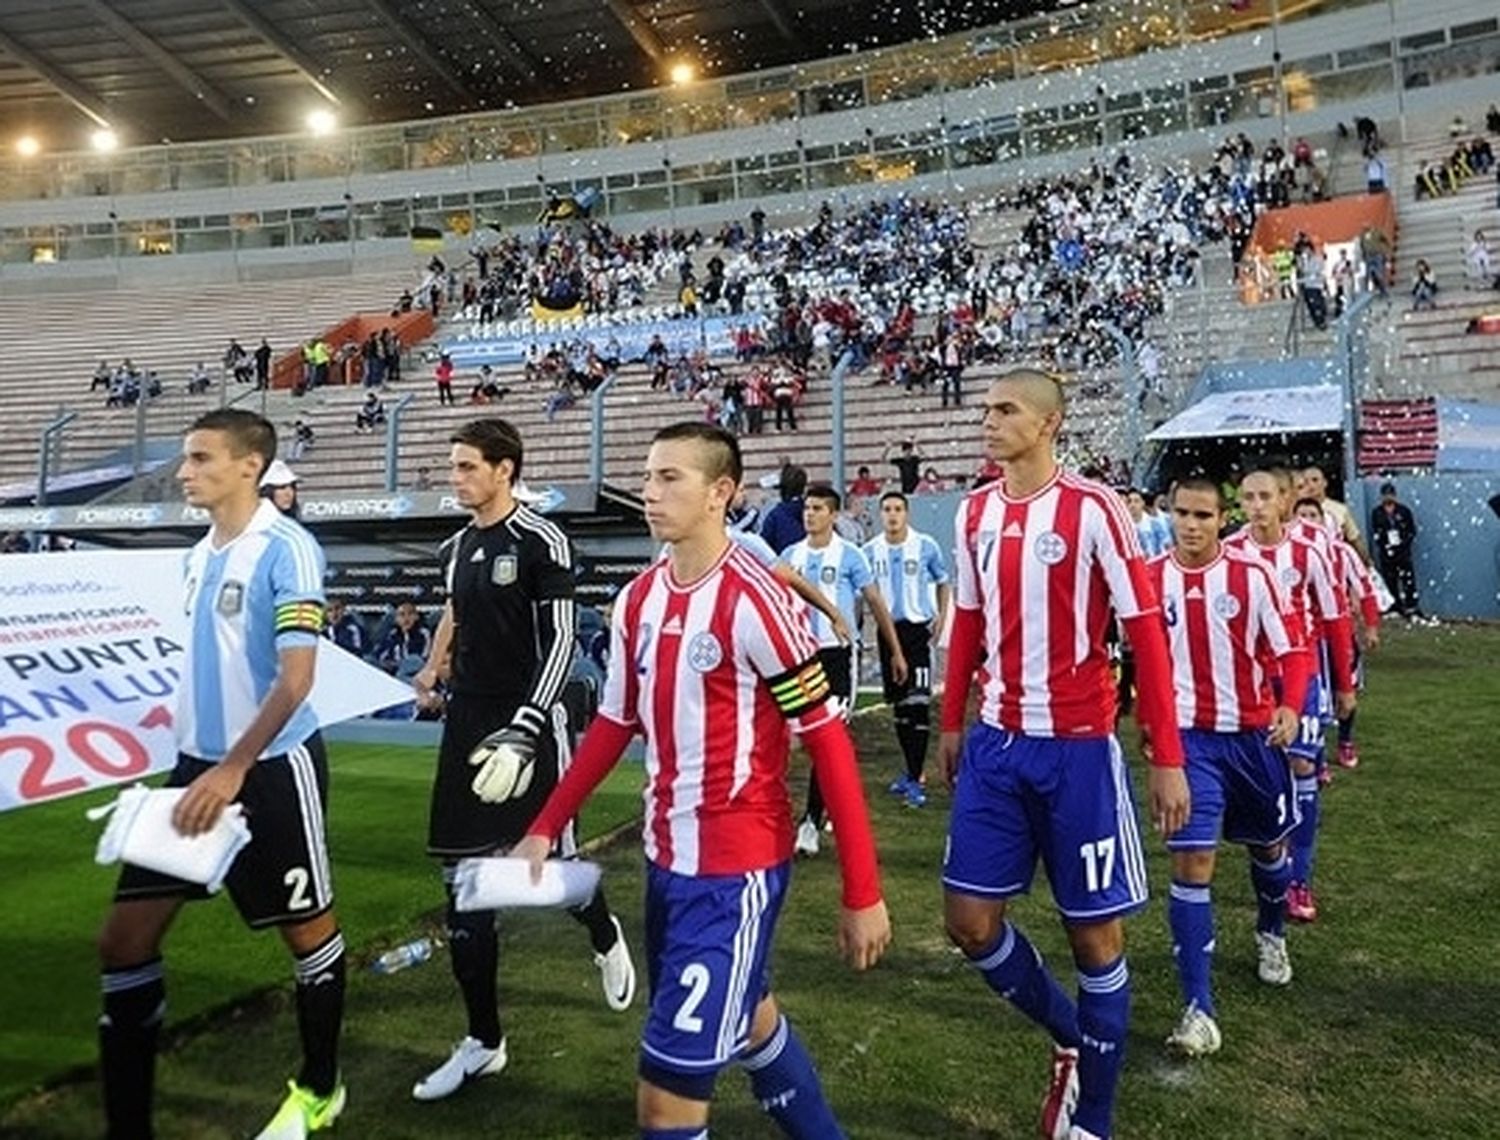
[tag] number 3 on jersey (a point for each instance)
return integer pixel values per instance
(1098, 863)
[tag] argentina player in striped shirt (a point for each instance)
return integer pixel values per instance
(245, 734)
(913, 579)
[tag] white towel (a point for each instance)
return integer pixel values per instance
(498, 883)
(140, 831)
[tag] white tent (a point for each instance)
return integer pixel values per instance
(1262, 411)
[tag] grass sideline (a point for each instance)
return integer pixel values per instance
(385, 888)
(1386, 1031)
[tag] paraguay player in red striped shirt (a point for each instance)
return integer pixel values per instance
(1229, 632)
(1321, 609)
(713, 663)
(1043, 560)
(1350, 570)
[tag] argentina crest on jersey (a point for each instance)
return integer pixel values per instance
(231, 598)
(503, 569)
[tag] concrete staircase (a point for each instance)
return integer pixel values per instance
(1429, 353)
(54, 342)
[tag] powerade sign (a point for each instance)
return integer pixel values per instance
(406, 504)
(372, 589)
(375, 507)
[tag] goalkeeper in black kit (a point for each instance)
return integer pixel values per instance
(504, 647)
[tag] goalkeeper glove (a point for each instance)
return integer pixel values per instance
(506, 761)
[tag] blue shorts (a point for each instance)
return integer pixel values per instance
(1325, 684)
(1317, 714)
(1068, 801)
(1240, 785)
(708, 951)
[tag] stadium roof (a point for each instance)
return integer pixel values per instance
(182, 70)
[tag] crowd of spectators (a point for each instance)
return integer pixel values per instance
(1442, 174)
(565, 265)
(125, 385)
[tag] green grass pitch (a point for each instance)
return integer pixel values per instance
(1388, 1029)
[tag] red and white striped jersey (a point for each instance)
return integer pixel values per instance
(1227, 628)
(714, 674)
(1046, 570)
(1320, 534)
(1304, 574)
(1354, 577)
(1324, 536)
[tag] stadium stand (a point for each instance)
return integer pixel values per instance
(55, 342)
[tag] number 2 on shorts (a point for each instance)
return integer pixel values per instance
(695, 979)
(297, 879)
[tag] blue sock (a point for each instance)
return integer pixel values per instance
(693, 1133)
(1305, 836)
(1015, 971)
(1191, 914)
(1346, 729)
(1270, 881)
(783, 1079)
(1103, 1017)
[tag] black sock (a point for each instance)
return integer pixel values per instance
(135, 1003)
(914, 743)
(595, 915)
(320, 1013)
(474, 949)
(904, 739)
(814, 800)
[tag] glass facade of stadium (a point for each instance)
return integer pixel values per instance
(950, 115)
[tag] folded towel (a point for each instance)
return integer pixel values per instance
(497, 883)
(140, 831)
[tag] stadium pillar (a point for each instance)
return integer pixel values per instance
(44, 453)
(836, 378)
(596, 431)
(138, 460)
(1134, 396)
(1353, 348)
(393, 439)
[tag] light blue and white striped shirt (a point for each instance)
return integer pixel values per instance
(908, 574)
(259, 594)
(1155, 533)
(840, 572)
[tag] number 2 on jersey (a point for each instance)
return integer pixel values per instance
(1098, 863)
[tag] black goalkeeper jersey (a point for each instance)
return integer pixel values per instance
(511, 587)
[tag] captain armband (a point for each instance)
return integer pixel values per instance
(801, 689)
(299, 617)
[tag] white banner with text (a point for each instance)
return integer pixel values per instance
(91, 650)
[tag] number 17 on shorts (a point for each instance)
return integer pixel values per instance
(1067, 802)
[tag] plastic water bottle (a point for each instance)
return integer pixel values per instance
(409, 954)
